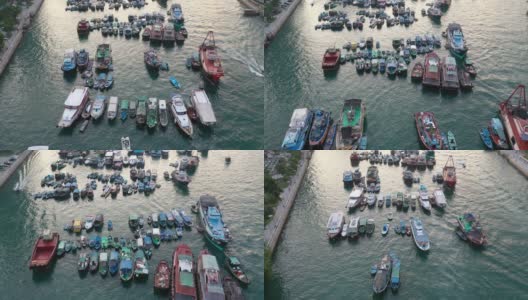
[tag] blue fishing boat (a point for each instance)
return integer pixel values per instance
(385, 229)
(162, 219)
(69, 62)
(187, 220)
(126, 266)
(299, 127)
(403, 227)
(177, 13)
(330, 138)
(395, 276)
(455, 37)
(110, 225)
(97, 245)
(109, 81)
(347, 177)
(497, 135)
(320, 128)
(421, 238)
(392, 66)
(211, 217)
(174, 82)
(382, 65)
(363, 143)
(114, 262)
(486, 138)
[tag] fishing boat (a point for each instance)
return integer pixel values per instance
(179, 113)
(420, 236)
(203, 107)
(73, 106)
(402, 67)
(156, 33)
(87, 109)
(320, 127)
(44, 250)
(103, 57)
(451, 142)
(449, 173)
(132, 109)
(141, 111)
(211, 217)
(109, 81)
(83, 262)
(103, 263)
(464, 80)
(163, 114)
(69, 62)
(469, 67)
(385, 228)
(424, 198)
(126, 268)
(439, 198)
(417, 72)
(152, 113)
(353, 228)
(347, 178)
(450, 74)
(455, 38)
(383, 275)
(497, 135)
(174, 82)
(234, 266)
(372, 175)
(428, 131)
(434, 13)
(145, 35)
(123, 109)
(187, 220)
(392, 66)
(83, 27)
(209, 58)
(100, 82)
(514, 117)
(350, 126)
(432, 71)
(355, 198)
(162, 276)
(94, 261)
(140, 265)
(176, 13)
(83, 59)
(209, 277)
(370, 226)
(151, 59)
(485, 136)
(331, 59)
(335, 224)
(169, 36)
(111, 113)
(183, 271)
(298, 129)
(395, 274)
(469, 226)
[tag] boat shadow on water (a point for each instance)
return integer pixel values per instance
(330, 74)
(44, 275)
(70, 77)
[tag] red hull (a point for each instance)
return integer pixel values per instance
(449, 173)
(432, 71)
(44, 252)
(210, 60)
(177, 288)
(516, 126)
(331, 59)
(433, 133)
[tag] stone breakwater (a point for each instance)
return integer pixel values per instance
(274, 27)
(24, 21)
(6, 174)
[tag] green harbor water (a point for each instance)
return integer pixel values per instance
(495, 32)
(307, 266)
(33, 87)
(238, 187)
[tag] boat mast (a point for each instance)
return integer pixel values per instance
(210, 33)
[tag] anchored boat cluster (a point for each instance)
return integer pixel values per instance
(93, 5)
(363, 195)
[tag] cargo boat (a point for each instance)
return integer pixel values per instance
(73, 106)
(320, 128)
(209, 277)
(209, 58)
(455, 38)
(350, 125)
(179, 112)
(103, 57)
(331, 59)
(183, 274)
(471, 229)
(44, 250)
(211, 217)
(383, 275)
(497, 135)
(431, 75)
(428, 131)
(203, 107)
(335, 224)
(514, 116)
(298, 129)
(449, 173)
(449, 74)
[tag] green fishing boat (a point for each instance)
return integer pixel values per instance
(156, 237)
(152, 112)
(103, 57)
(103, 263)
(451, 142)
(350, 125)
(141, 113)
(140, 265)
(104, 242)
(123, 109)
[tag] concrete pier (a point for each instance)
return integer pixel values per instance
(6, 174)
(273, 28)
(274, 228)
(517, 160)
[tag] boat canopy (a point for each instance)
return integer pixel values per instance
(299, 116)
(76, 97)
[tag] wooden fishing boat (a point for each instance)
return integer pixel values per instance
(132, 109)
(432, 71)
(350, 125)
(183, 274)
(123, 109)
(209, 58)
(464, 80)
(331, 59)
(126, 268)
(451, 142)
(235, 268)
(320, 128)
(162, 276)
(428, 131)
(152, 60)
(83, 27)
(44, 250)
(417, 72)
(514, 117)
(449, 173)
(103, 263)
(330, 138)
(469, 225)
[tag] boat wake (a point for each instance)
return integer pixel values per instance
(252, 64)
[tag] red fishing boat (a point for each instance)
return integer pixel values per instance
(449, 173)
(428, 131)
(431, 74)
(44, 250)
(83, 26)
(514, 116)
(354, 157)
(209, 58)
(417, 72)
(331, 59)
(183, 274)
(162, 277)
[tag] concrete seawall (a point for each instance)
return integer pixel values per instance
(6, 174)
(273, 28)
(517, 160)
(24, 21)
(274, 228)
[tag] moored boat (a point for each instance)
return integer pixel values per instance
(232, 290)
(209, 277)
(69, 62)
(179, 113)
(350, 125)
(163, 114)
(83, 59)
(83, 27)
(417, 72)
(428, 131)
(113, 265)
(383, 275)
(424, 198)
(469, 225)
(450, 80)
(331, 59)
(183, 274)
(44, 250)
(514, 117)
(395, 275)
(151, 59)
(449, 173)
(439, 198)
(141, 270)
(335, 224)
(211, 217)
(497, 135)
(73, 106)
(209, 58)
(420, 236)
(103, 57)
(485, 136)
(355, 198)
(152, 113)
(141, 112)
(126, 268)
(123, 109)
(320, 127)
(203, 107)
(298, 129)
(234, 266)
(113, 103)
(162, 276)
(432, 71)
(455, 37)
